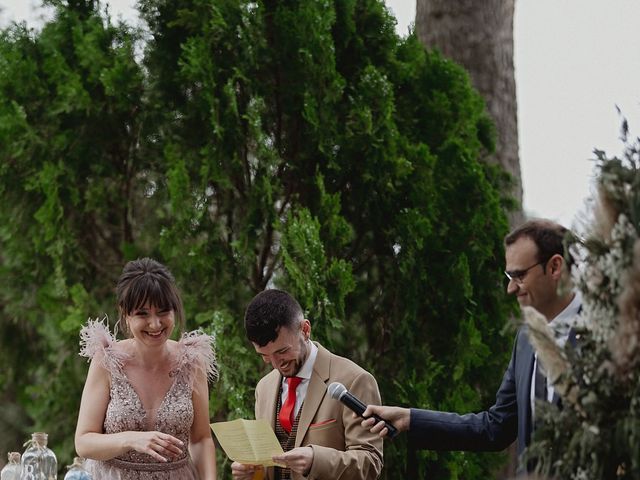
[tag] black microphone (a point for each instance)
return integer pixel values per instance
(338, 391)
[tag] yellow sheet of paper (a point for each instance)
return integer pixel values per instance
(251, 442)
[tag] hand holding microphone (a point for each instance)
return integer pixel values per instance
(337, 391)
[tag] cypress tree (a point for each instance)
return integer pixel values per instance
(300, 144)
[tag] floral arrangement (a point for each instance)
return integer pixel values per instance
(595, 432)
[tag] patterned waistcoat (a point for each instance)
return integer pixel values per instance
(287, 440)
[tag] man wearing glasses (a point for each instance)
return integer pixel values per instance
(535, 269)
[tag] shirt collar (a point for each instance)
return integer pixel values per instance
(307, 366)
(566, 319)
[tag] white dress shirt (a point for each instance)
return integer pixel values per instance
(561, 326)
(305, 374)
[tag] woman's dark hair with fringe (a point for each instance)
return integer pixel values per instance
(147, 281)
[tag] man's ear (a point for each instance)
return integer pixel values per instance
(306, 328)
(556, 265)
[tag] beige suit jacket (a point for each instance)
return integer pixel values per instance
(342, 449)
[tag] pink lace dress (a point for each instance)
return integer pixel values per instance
(126, 413)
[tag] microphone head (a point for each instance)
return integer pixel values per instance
(336, 390)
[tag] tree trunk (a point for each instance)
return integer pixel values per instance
(479, 36)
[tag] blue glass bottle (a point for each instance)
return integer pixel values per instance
(77, 471)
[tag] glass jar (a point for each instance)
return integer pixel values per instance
(38, 461)
(77, 471)
(11, 470)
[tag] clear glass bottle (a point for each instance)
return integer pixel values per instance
(77, 471)
(11, 470)
(38, 461)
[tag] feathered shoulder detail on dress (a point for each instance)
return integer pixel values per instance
(95, 337)
(197, 355)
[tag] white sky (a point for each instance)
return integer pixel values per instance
(575, 61)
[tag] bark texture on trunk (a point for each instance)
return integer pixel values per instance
(479, 36)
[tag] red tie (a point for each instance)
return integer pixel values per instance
(286, 412)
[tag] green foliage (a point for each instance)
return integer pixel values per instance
(69, 121)
(296, 144)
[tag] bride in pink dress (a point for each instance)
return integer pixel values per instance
(144, 413)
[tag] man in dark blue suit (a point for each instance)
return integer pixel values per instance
(535, 268)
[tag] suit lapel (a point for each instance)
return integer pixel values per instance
(528, 369)
(270, 400)
(525, 376)
(315, 393)
(267, 407)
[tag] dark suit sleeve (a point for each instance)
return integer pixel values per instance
(491, 430)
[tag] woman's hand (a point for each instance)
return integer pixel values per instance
(161, 446)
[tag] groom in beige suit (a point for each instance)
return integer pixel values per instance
(320, 437)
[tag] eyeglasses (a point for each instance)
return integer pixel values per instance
(518, 275)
